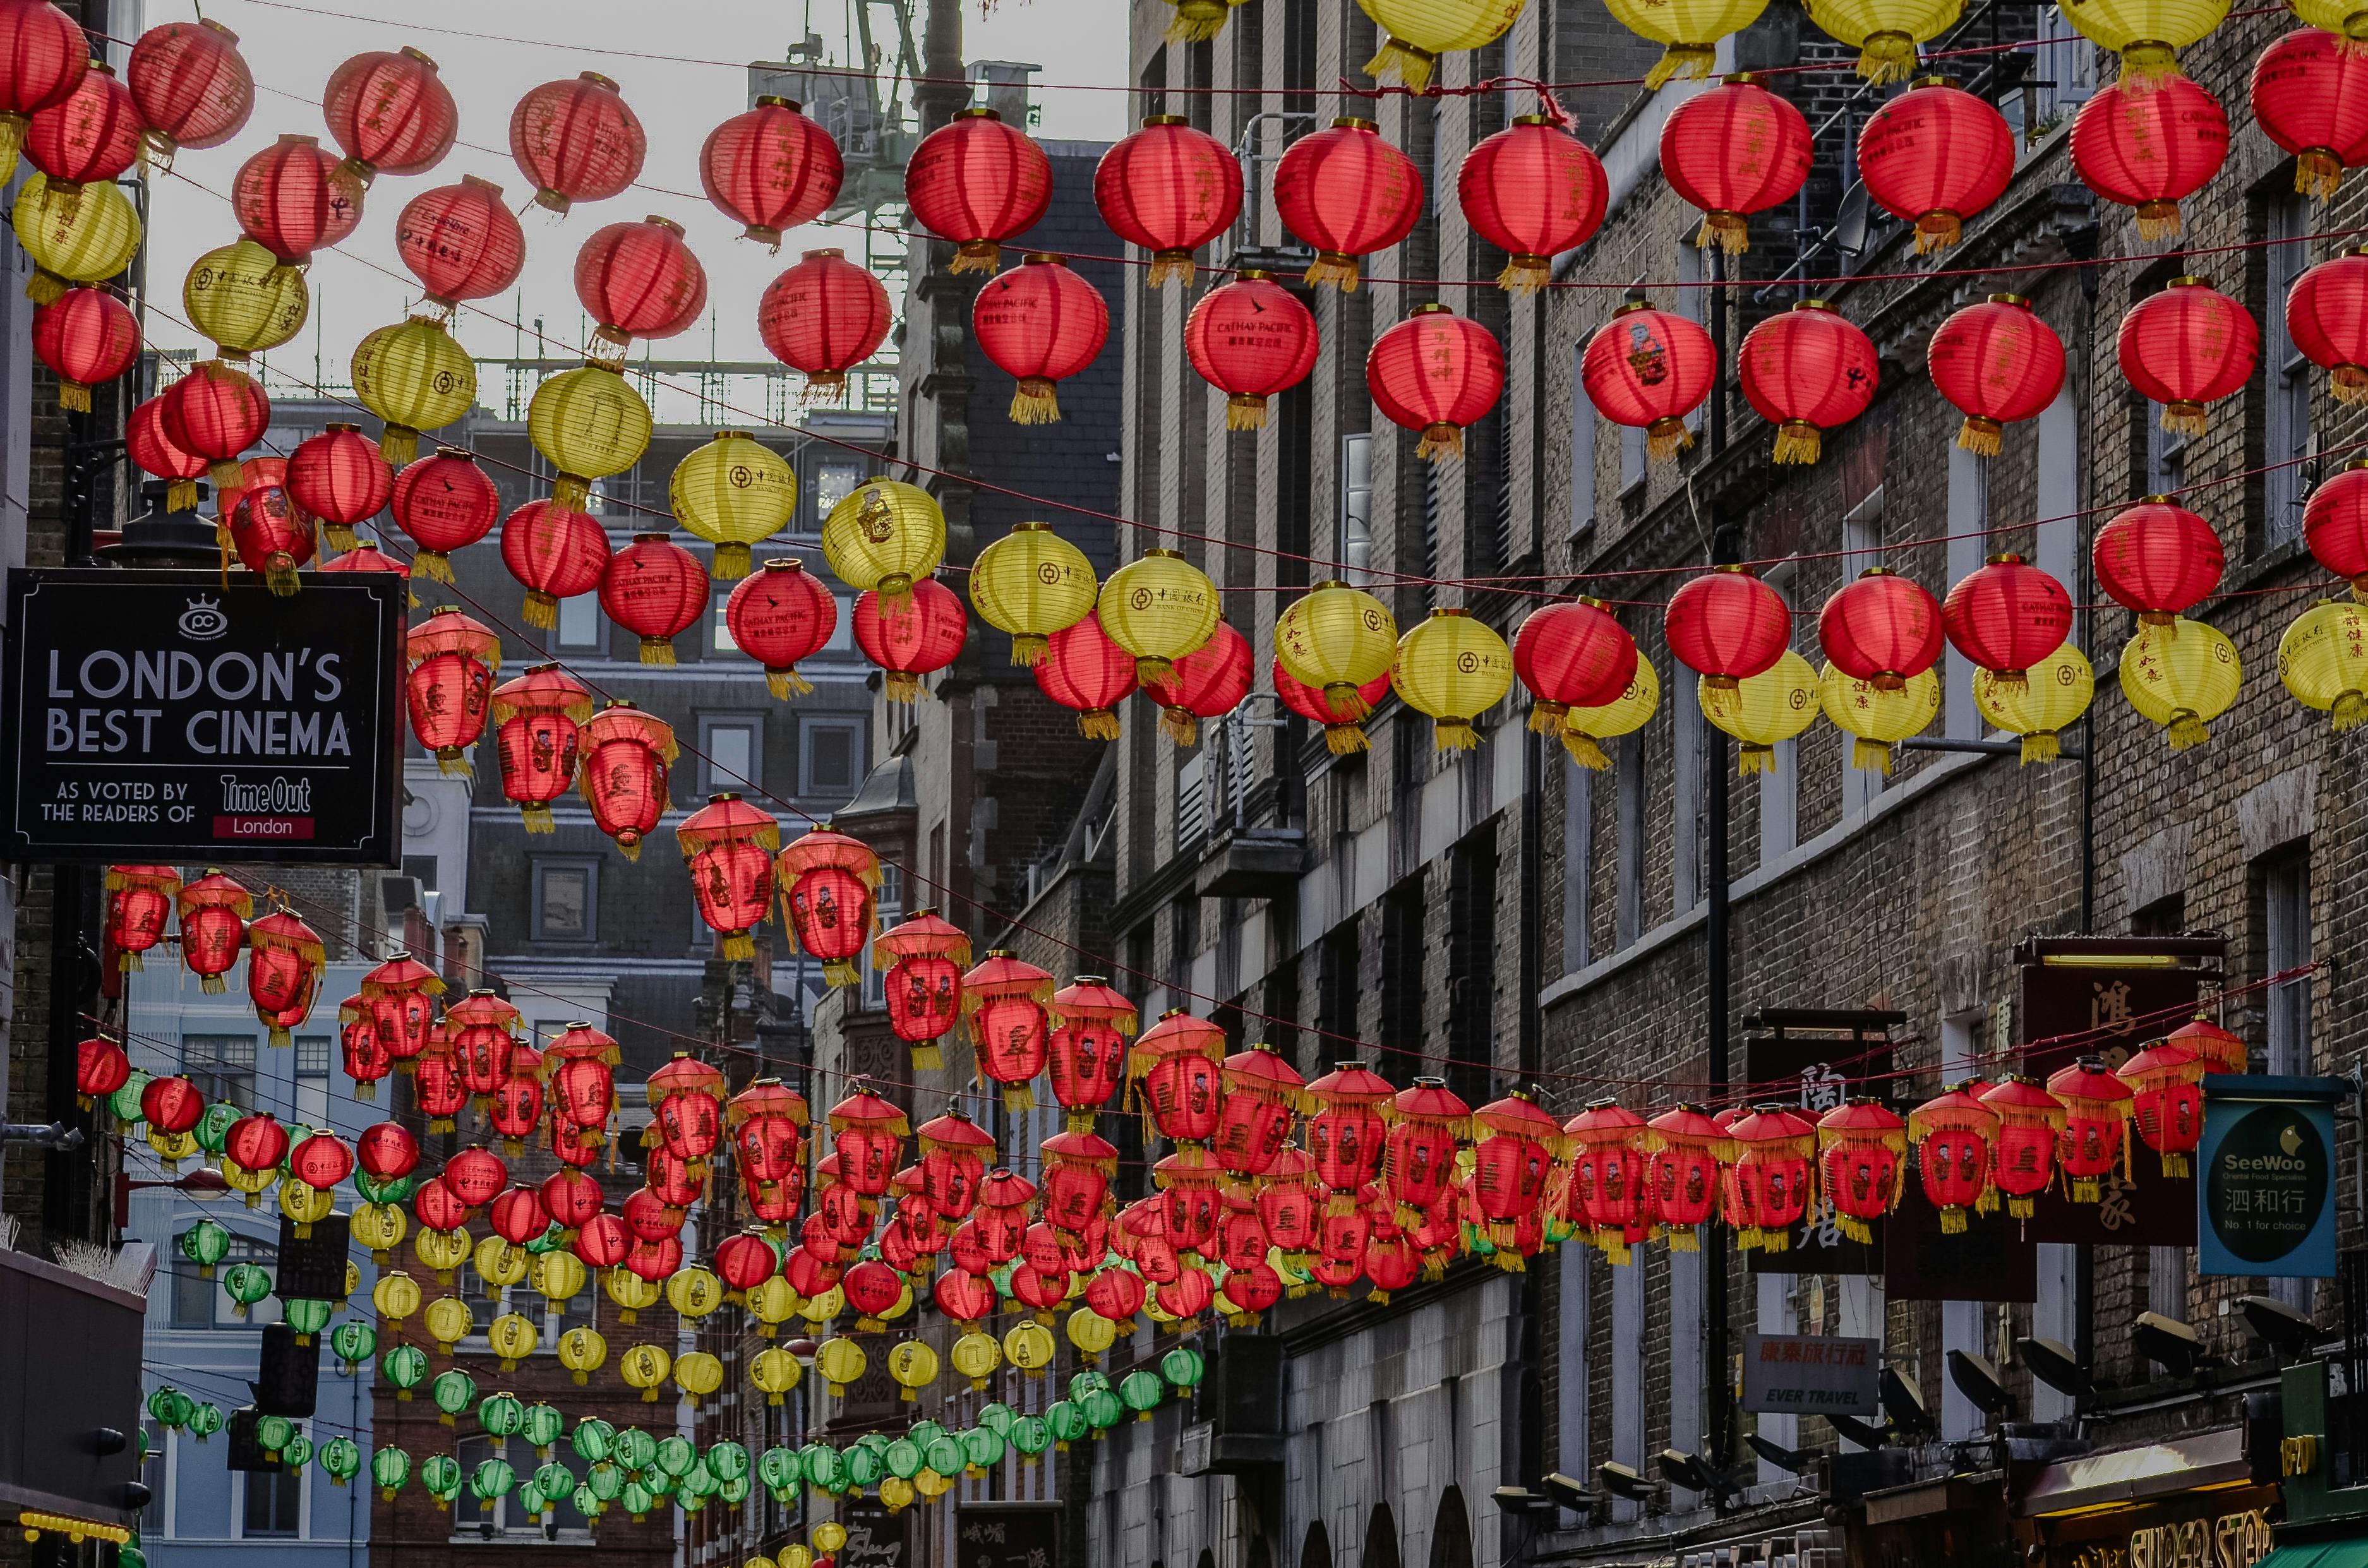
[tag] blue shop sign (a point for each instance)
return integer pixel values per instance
(2266, 1177)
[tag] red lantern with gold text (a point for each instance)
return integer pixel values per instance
(2186, 347)
(2309, 93)
(453, 661)
(1086, 1050)
(1768, 1183)
(1116, 1293)
(92, 135)
(579, 1069)
(744, 1262)
(367, 1059)
(1040, 323)
(389, 112)
(214, 911)
(154, 451)
(1263, 1096)
(1934, 156)
(654, 1261)
(728, 845)
(2157, 557)
(293, 198)
(1998, 364)
(1250, 1291)
(868, 1138)
(827, 883)
(1188, 1196)
(1606, 1196)
(139, 902)
(1807, 371)
(1339, 1257)
(1860, 1161)
(1514, 1148)
(873, 1288)
(1174, 1072)
(779, 616)
(1347, 1129)
(2323, 319)
(675, 1181)
(1170, 190)
(445, 502)
(1251, 339)
(770, 169)
(1574, 654)
(171, 1105)
(386, 1151)
(1186, 1298)
(101, 1067)
(1078, 1170)
(656, 590)
(977, 182)
(1734, 150)
(482, 1029)
(1342, 734)
(1004, 998)
(435, 1081)
(967, 1300)
(2166, 1083)
(1686, 1151)
(2007, 616)
(257, 1143)
(517, 1107)
(1392, 1263)
(571, 1198)
(2097, 1111)
(1085, 670)
(191, 86)
(2221, 1052)
(954, 1155)
(338, 477)
(1004, 1200)
(460, 241)
(1436, 372)
(1345, 193)
(86, 336)
(556, 553)
(577, 141)
(914, 634)
(646, 1217)
(1534, 190)
(216, 412)
(1880, 628)
(283, 972)
(1650, 370)
(1207, 683)
(1290, 1204)
(1727, 626)
(261, 525)
(518, 1216)
(1428, 1121)
(639, 280)
(48, 56)
(2150, 145)
(1241, 1234)
(540, 715)
(625, 754)
(2022, 1158)
(922, 961)
(686, 1110)
(823, 316)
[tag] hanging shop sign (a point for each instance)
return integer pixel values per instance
(2265, 1184)
(1811, 1374)
(875, 1537)
(2107, 996)
(1990, 1260)
(1007, 1535)
(1816, 1060)
(160, 716)
(2223, 1526)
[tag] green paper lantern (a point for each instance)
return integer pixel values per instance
(925, 1432)
(273, 1433)
(944, 1455)
(676, 1456)
(247, 1283)
(394, 1189)
(298, 1453)
(903, 1459)
(453, 1392)
(982, 1446)
(532, 1501)
(390, 1467)
(605, 1481)
(552, 1234)
(306, 1316)
(1102, 1407)
(779, 1469)
(635, 1448)
(996, 1418)
(1087, 1382)
(734, 1492)
(824, 1466)
(727, 1461)
(543, 1426)
(441, 1476)
(1031, 1434)
(698, 1480)
(587, 1503)
(130, 1556)
(1142, 1391)
(205, 1243)
(124, 1104)
(555, 1480)
(354, 1343)
(212, 1130)
(205, 1420)
(593, 1440)
(659, 1482)
(864, 1467)
(502, 1415)
(405, 1366)
(1066, 1420)
(492, 1478)
(690, 1504)
(1183, 1367)
(639, 1500)
(876, 1441)
(171, 1407)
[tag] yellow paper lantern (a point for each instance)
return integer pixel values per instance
(886, 535)
(556, 1276)
(2344, 19)
(499, 1264)
(2182, 674)
(841, 1361)
(395, 1296)
(1686, 30)
(512, 1338)
(976, 1355)
(1584, 728)
(1452, 668)
(633, 1294)
(587, 423)
(2052, 695)
(415, 377)
(449, 1321)
(2323, 660)
(172, 1147)
(2148, 34)
(1763, 710)
(1158, 609)
(75, 234)
(380, 1227)
(1197, 21)
(896, 1492)
(1091, 1333)
(253, 1184)
(1884, 32)
(930, 1484)
(820, 1309)
(1031, 583)
(698, 1374)
(581, 1351)
(243, 299)
(900, 1306)
(797, 1554)
(733, 493)
(353, 1280)
(1030, 1348)
(307, 1205)
(1338, 639)
(829, 1536)
(1416, 33)
(772, 1304)
(644, 1367)
(694, 1291)
(775, 1371)
(442, 1251)
(1878, 719)
(914, 1366)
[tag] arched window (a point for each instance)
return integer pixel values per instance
(1450, 1532)
(1380, 1540)
(1317, 1551)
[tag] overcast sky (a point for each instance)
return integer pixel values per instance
(292, 51)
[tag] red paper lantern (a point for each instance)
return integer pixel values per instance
(216, 412)
(139, 900)
(1340, 1243)
(1078, 1170)
(293, 198)
(746, 1261)
(828, 880)
(482, 1029)
(2309, 95)
(214, 911)
(1650, 370)
(540, 714)
(866, 1139)
(1004, 998)
(780, 616)
(1727, 626)
(2150, 147)
(1534, 190)
(728, 844)
(438, 1207)
(257, 1144)
(1436, 372)
(1347, 1129)
(90, 135)
(655, 1261)
(445, 503)
(1428, 1121)
(2186, 346)
(571, 1199)
(767, 1122)
(915, 634)
(1572, 655)
(338, 477)
(270, 537)
(1288, 1202)
(2007, 616)
(1170, 190)
(1083, 669)
(1685, 1150)
(367, 1059)
(1734, 150)
(640, 280)
(365, 556)
(154, 451)
(1860, 1161)
(1606, 1196)
(386, 1151)
(2022, 1160)
(770, 169)
(1188, 1204)
(625, 755)
(923, 959)
(1207, 683)
(1241, 1234)
(977, 182)
(2221, 1052)
(1116, 1294)
(101, 1067)
(1250, 1291)
(577, 141)
(580, 1066)
(656, 590)
(2323, 318)
(1880, 628)
(321, 1161)
(1392, 1264)
(2157, 557)
(2097, 1109)
(1087, 1050)
(436, 1078)
(171, 1105)
(1514, 1148)
(823, 316)
(1262, 1096)
(191, 85)
(1251, 339)
(47, 56)
(647, 1217)
(556, 552)
(1768, 1190)
(686, 1112)
(1175, 1071)
(1040, 323)
(448, 690)
(1999, 363)
(954, 1154)
(460, 241)
(1342, 734)
(680, 1180)
(399, 996)
(391, 113)
(965, 1298)
(1934, 156)
(2166, 1100)
(284, 960)
(1807, 371)
(1345, 193)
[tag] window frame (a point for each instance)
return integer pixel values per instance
(537, 924)
(213, 1076)
(282, 1477)
(850, 725)
(2285, 448)
(1356, 542)
(732, 719)
(596, 638)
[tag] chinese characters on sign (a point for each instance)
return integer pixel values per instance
(1007, 1535)
(1811, 1374)
(2266, 1175)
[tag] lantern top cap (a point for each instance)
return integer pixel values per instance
(1591, 602)
(785, 563)
(481, 183)
(446, 610)
(2021, 300)
(713, 799)
(2189, 281)
(1733, 568)
(1740, 79)
(650, 539)
(1533, 119)
(1351, 122)
(1000, 953)
(1878, 571)
(622, 702)
(775, 100)
(288, 136)
(1815, 305)
(1636, 301)
(1432, 308)
(832, 251)
(1092, 980)
(1318, 587)
(1440, 614)
(343, 427)
(1031, 527)
(2006, 558)
(664, 222)
(1430, 1083)
(209, 22)
(1044, 258)
(735, 435)
(368, 544)
(598, 80)
(2156, 501)
(1162, 555)
(1933, 79)
(976, 112)
(462, 453)
(413, 53)
(542, 669)
(1149, 120)
(1260, 274)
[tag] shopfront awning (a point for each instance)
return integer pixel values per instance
(2132, 1475)
(2318, 1554)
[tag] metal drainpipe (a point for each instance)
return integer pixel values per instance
(1717, 935)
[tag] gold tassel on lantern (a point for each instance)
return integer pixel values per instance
(339, 535)
(1798, 441)
(1583, 750)
(1886, 57)
(2351, 384)
(1245, 411)
(1980, 437)
(731, 562)
(1331, 266)
(823, 386)
(1665, 439)
(2185, 418)
(398, 443)
(1027, 649)
(1752, 758)
(436, 565)
(1871, 757)
(786, 684)
(1441, 443)
(2186, 730)
(902, 686)
(1183, 726)
(2145, 67)
(1033, 401)
(1347, 702)
(2158, 220)
(2317, 173)
(738, 945)
(1682, 62)
(1937, 231)
(927, 1058)
(841, 971)
(1525, 274)
(1545, 718)
(180, 495)
(1168, 264)
(46, 288)
(1454, 735)
(1019, 1098)
(1098, 724)
(74, 396)
(2350, 711)
(657, 651)
(542, 609)
(537, 816)
(1396, 58)
(977, 255)
(1728, 230)
(1345, 740)
(2041, 746)
(1151, 671)
(280, 575)
(453, 763)
(569, 494)
(227, 473)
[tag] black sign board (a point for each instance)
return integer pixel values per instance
(875, 1537)
(1007, 1535)
(313, 1258)
(1813, 1060)
(159, 716)
(1988, 1261)
(2148, 1210)
(2107, 996)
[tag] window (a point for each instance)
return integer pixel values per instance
(720, 639)
(1968, 515)
(830, 757)
(566, 900)
(579, 622)
(1357, 506)
(2068, 60)
(835, 479)
(730, 749)
(1862, 546)
(2166, 917)
(842, 632)
(156, 1474)
(1192, 801)
(207, 1303)
(1628, 782)
(1634, 441)
(312, 1056)
(2166, 454)
(2283, 920)
(2287, 433)
(1780, 792)
(1688, 835)
(1578, 862)
(1582, 447)
(275, 1501)
(221, 1066)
